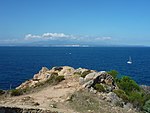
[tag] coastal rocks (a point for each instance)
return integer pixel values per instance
(88, 78)
(43, 70)
(94, 78)
(44, 74)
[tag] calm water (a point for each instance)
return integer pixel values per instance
(18, 64)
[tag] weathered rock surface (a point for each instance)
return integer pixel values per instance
(44, 74)
(94, 78)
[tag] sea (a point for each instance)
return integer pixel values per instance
(18, 64)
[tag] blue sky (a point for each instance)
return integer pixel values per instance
(97, 22)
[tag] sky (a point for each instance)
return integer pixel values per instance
(75, 22)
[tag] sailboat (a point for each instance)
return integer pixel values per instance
(129, 61)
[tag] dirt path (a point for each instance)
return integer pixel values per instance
(51, 97)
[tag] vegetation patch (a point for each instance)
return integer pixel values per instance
(113, 73)
(99, 87)
(53, 80)
(130, 91)
(16, 92)
(146, 107)
(85, 73)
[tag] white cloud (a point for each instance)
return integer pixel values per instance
(46, 36)
(55, 35)
(103, 38)
(62, 36)
(30, 36)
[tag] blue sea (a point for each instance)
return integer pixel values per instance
(18, 64)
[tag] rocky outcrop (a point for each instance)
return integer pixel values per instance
(90, 80)
(75, 80)
(44, 74)
(94, 78)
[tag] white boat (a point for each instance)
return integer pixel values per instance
(129, 61)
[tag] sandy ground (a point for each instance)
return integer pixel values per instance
(51, 97)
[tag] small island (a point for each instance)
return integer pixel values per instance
(64, 89)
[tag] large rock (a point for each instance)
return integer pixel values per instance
(101, 77)
(90, 76)
(93, 75)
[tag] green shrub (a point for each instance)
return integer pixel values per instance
(55, 79)
(130, 91)
(120, 93)
(60, 78)
(113, 73)
(16, 92)
(128, 85)
(99, 88)
(85, 73)
(137, 99)
(77, 73)
(146, 107)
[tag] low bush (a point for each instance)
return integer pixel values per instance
(77, 73)
(85, 73)
(113, 73)
(99, 88)
(130, 91)
(146, 107)
(59, 79)
(16, 92)
(137, 99)
(55, 79)
(127, 84)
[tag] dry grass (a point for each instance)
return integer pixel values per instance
(86, 102)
